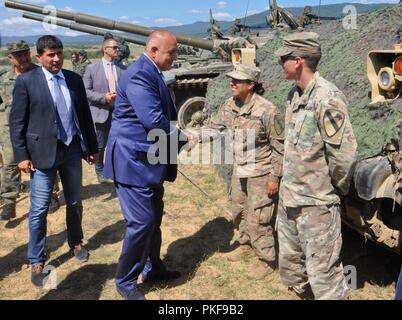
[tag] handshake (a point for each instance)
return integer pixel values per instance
(192, 141)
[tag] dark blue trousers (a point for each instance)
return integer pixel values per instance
(142, 209)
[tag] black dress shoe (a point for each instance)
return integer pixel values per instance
(162, 276)
(8, 212)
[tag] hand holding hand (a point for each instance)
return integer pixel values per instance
(192, 141)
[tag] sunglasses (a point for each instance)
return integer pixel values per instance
(283, 59)
(237, 81)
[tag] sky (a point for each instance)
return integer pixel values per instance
(157, 13)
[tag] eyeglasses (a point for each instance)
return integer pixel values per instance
(113, 47)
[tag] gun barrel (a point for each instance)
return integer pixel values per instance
(108, 24)
(80, 27)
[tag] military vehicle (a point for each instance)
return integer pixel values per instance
(374, 204)
(191, 74)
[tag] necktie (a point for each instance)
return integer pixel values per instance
(62, 113)
(111, 80)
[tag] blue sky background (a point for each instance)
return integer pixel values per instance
(160, 13)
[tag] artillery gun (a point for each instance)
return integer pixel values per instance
(190, 75)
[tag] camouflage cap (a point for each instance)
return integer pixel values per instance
(82, 52)
(245, 72)
(300, 43)
(17, 47)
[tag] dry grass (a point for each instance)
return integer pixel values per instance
(196, 237)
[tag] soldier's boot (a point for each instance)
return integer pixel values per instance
(260, 270)
(239, 253)
(300, 295)
(244, 240)
(8, 212)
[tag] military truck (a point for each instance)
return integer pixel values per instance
(190, 75)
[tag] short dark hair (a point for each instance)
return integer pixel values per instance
(312, 62)
(48, 42)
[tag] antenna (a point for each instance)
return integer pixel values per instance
(319, 10)
(245, 17)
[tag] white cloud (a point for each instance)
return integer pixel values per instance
(223, 16)
(123, 18)
(15, 21)
(251, 12)
(222, 4)
(196, 11)
(165, 20)
(136, 22)
(70, 33)
(69, 9)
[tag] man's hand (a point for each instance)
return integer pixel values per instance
(26, 166)
(272, 188)
(192, 141)
(92, 159)
(110, 97)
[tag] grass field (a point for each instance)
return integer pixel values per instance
(197, 235)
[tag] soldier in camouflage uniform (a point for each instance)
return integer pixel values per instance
(75, 61)
(82, 63)
(320, 152)
(19, 56)
(20, 59)
(257, 151)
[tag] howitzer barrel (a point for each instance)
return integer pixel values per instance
(80, 27)
(108, 24)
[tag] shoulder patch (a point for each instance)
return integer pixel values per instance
(333, 122)
(278, 126)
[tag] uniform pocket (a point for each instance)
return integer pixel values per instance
(305, 130)
(266, 214)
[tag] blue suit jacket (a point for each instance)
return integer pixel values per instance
(33, 125)
(143, 104)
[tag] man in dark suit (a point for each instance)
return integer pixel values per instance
(101, 79)
(144, 109)
(51, 130)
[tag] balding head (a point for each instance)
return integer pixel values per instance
(162, 49)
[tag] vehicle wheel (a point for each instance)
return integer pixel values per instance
(191, 114)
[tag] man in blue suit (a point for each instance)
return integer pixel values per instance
(144, 108)
(51, 131)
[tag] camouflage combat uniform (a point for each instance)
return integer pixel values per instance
(255, 162)
(10, 175)
(320, 150)
(79, 67)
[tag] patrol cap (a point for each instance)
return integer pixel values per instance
(245, 72)
(300, 43)
(82, 52)
(17, 47)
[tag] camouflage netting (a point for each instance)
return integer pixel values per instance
(344, 63)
